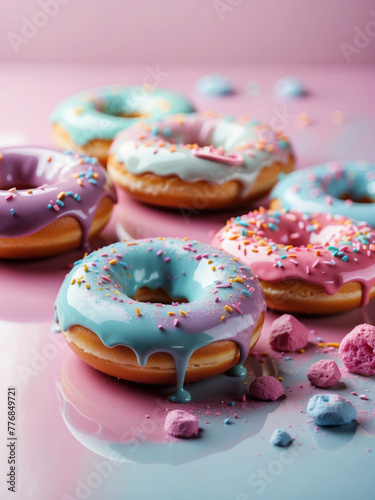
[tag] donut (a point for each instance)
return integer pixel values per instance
(161, 311)
(88, 122)
(199, 161)
(346, 188)
(50, 202)
(317, 264)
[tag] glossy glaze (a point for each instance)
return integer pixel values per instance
(320, 188)
(53, 185)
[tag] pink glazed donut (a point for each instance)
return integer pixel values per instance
(317, 264)
(50, 201)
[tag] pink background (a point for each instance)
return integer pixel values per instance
(177, 31)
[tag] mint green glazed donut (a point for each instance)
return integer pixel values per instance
(94, 117)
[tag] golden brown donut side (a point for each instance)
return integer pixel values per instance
(121, 361)
(61, 236)
(171, 191)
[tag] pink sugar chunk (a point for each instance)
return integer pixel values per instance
(180, 423)
(357, 350)
(288, 334)
(324, 373)
(266, 388)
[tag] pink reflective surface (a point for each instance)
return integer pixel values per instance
(85, 435)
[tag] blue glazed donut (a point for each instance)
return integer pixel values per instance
(213, 297)
(220, 160)
(346, 188)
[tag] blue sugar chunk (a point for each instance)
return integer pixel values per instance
(330, 409)
(280, 438)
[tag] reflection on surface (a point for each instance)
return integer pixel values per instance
(143, 221)
(332, 437)
(125, 421)
(35, 284)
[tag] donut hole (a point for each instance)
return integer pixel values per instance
(118, 106)
(202, 133)
(293, 236)
(356, 199)
(129, 114)
(303, 234)
(157, 296)
(19, 186)
(27, 169)
(162, 277)
(12, 176)
(357, 187)
(134, 115)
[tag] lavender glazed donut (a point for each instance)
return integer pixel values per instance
(161, 311)
(317, 264)
(50, 202)
(199, 161)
